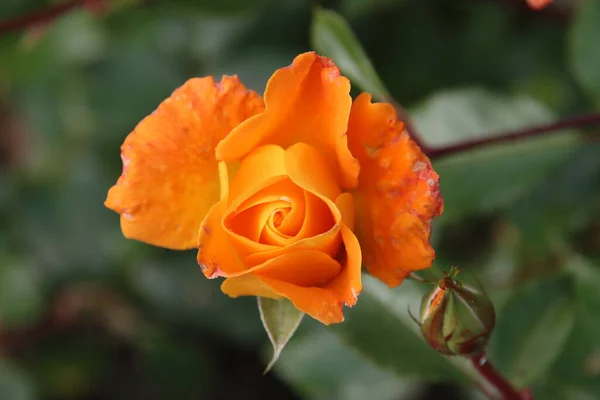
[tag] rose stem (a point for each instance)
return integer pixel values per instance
(39, 17)
(495, 379)
(539, 130)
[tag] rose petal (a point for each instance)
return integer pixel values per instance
(170, 177)
(263, 167)
(348, 284)
(271, 234)
(292, 274)
(304, 268)
(397, 195)
(306, 102)
(319, 232)
(259, 172)
(248, 285)
(216, 256)
(253, 213)
(319, 303)
(308, 168)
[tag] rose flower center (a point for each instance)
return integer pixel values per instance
(280, 215)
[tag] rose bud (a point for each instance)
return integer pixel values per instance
(456, 319)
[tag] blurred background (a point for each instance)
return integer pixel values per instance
(87, 315)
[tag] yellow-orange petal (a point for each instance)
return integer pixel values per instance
(296, 276)
(321, 231)
(308, 168)
(319, 303)
(216, 256)
(261, 171)
(264, 166)
(248, 285)
(292, 274)
(348, 284)
(304, 268)
(170, 175)
(307, 102)
(345, 203)
(250, 218)
(397, 194)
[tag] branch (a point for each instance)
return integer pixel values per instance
(573, 122)
(39, 17)
(495, 379)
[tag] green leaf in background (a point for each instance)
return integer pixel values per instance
(585, 51)
(15, 385)
(280, 319)
(21, 294)
(320, 367)
(532, 329)
(576, 373)
(222, 6)
(332, 36)
(175, 289)
(562, 206)
(495, 176)
(454, 116)
(380, 328)
(587, 284)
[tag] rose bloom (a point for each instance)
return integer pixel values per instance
(285, 196)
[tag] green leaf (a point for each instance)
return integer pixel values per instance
(454, 116)
(280, 319)
(170, 285)
(494, 177)
(381, 329)
(321, 367)
(14, 384)
(585, 52)
(532, 329)
(576, 373)
(332, 36)
(587, 281)
(562, 206)
(21, 294)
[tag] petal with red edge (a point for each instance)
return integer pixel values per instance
(397, 194)
(170, 177)
(307, 102)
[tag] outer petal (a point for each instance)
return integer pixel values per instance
(291, 275)
(306, 102)
(248, 285)
(321, 304)
(216, 255)
(348, 285)
(397, 194)
(170, 175)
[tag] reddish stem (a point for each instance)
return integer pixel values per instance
(573, 122)
(39, 17)
(495, 379)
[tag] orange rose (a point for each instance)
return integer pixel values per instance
(286, 198)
